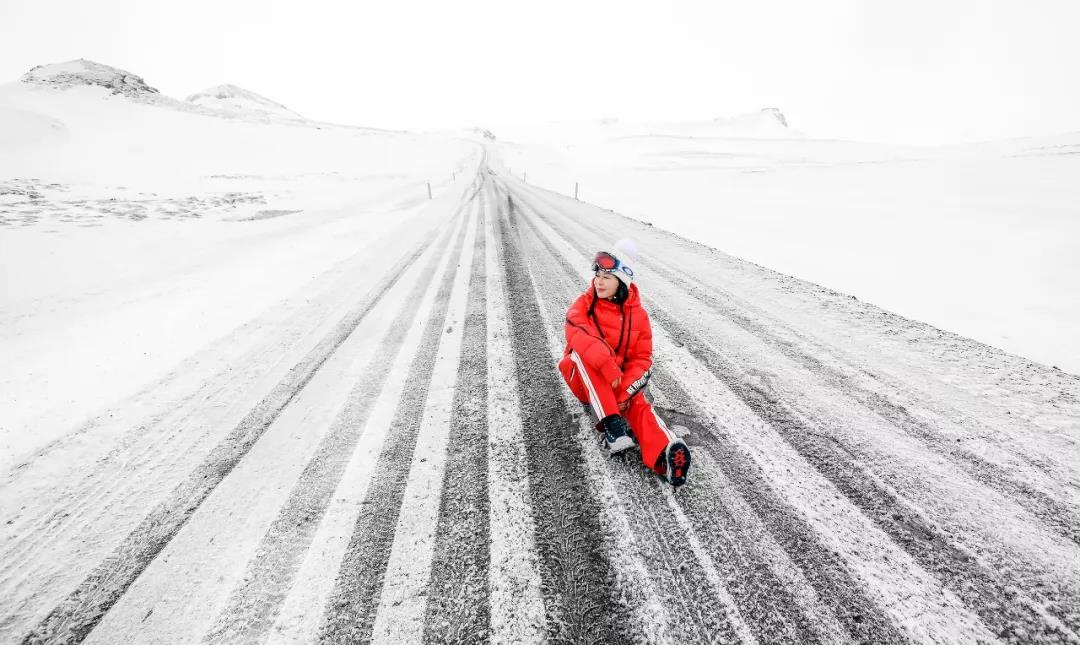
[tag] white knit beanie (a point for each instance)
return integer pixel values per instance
(625, 251)
(624, 273)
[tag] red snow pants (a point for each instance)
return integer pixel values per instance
(589, 387)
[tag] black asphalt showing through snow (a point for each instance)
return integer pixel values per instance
(982, 589)
(73, 619)
(352, 606)
(250, 611)
(762, 599)
(458, 608)
(577, 579)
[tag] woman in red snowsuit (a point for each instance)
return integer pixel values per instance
(607, 363)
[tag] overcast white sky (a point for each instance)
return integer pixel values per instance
(917, 71)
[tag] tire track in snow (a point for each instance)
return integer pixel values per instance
(403, 598)
(774, 615)
(121, 464)
(516, 601)
(576, 576)
(300, 616)
(351, 609)
(251, 609)
(80, 611)
(458, 609)
(981, 589)
(1061, 518)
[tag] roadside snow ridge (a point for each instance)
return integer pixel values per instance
(87, 72)
(235, 99)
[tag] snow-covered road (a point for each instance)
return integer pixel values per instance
(407, 466)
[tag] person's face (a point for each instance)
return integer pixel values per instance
(606, 284)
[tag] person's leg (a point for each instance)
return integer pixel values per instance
(661, 449)
(652, 433)
(589, 387)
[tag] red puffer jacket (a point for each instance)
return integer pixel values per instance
(614, 339)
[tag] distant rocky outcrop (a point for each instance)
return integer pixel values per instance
(86, 72)
(237, 100)
(767, 119)
(485, 133)
(776, 114)
(767, 123)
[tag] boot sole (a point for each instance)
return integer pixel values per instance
(678, 464)
(620, 445)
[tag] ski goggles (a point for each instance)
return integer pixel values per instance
(608, 263)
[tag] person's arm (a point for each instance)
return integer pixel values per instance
(583, 337)
(636, 369)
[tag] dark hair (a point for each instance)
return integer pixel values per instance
(621, 294)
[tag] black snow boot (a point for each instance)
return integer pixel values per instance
(674, 462)
(616, 434)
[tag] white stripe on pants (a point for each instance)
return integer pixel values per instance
(598, 410)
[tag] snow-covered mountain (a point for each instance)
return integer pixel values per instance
(84, 122)
(768, 123)
(228, 101)
(82, 72)
(237, 100)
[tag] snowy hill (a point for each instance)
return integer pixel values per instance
(237, 100)
(768, 123)
(227, 101)
(84, 72)
(124, 132)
